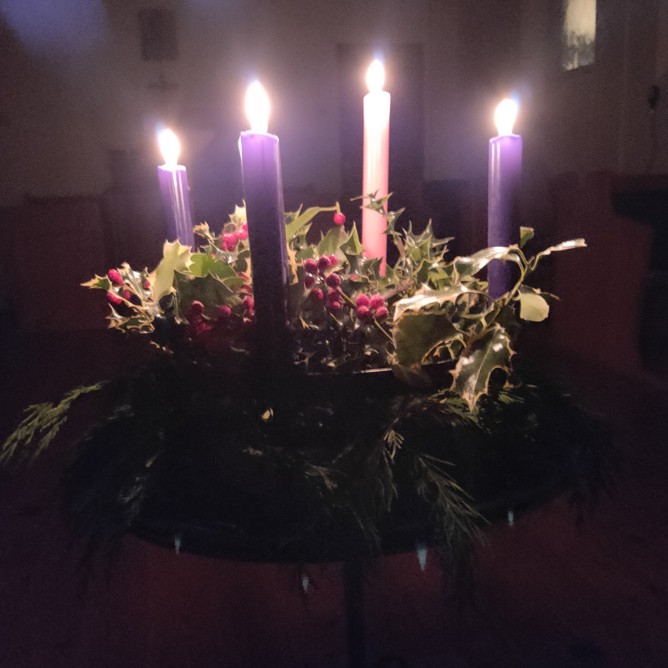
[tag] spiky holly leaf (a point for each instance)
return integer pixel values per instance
(470, 377)
(209, 290)
(175, 257)
(332, 241)
(533, 306)
(564, 245)
(100, 282)
(298, 220)
(426, 298)
(202, 264)
(413, 376)
(471, 265)
(416, 335)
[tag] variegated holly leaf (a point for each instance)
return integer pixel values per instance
(427, 297)
(470, 377)
(175, 257)
(100, 282)
(202, 264)
(533, 306)
(563, 246)
(417, 334)
(472, 264)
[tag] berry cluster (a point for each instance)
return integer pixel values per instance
(369, 307)
(230, 240)
(323, 283)
(121, 291)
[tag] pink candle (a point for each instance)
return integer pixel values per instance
(263, 191)
(173, 179)
(505, 171)
(376, 161)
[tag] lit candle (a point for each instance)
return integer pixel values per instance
(376, 161)
(173, 179)
(505, 171)
(263, 190)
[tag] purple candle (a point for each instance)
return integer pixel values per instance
(173, 179)
(505, 171)
(263, 191)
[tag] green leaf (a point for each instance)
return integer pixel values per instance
(353, 245)
(331, 241)
(563, 246)
(475, 365)
(175, 257)
(526, 234)
(416, 335)
(533, 307)
(470, 265)
(210, 290)
(100, 282)
(302, 219)
(202, 264)
(427, 297)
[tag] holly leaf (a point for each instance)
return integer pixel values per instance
(352, 246)
(526, 235)
(472, 264)
(175, 257)
(331, 241)
(100, 282)
(470, 377)
(533, 307)
(202, 264)
(563, 246)
(416, 335)
(426, 298)
(301, 219)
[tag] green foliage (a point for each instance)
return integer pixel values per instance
(40, 426)
(428, 309)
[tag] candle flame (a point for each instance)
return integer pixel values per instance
(375, 76)
(170, 147)
(257, 107)
(504, 116)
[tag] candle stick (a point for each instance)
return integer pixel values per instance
(173, 179)
(263, 190)
(505, 170)
(376, 161)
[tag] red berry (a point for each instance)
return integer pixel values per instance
(333, 260)
(316, 295)
(333, 280)
(145, 284)
(382, 313)
(196, 308)
(363, 313)
(127, 295)
(223, 311)
(334, 307)
(376, 301)
(323, 263)
(113, 298)
(339, 218)
(242, 234)
(362, 300)
(309, 281)
(230, 241)
(311, 266)
(249, 302)
(115, 277)
(333, 295)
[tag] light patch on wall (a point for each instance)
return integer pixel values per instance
(578, 33)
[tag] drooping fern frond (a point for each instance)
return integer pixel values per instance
(40, 426)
